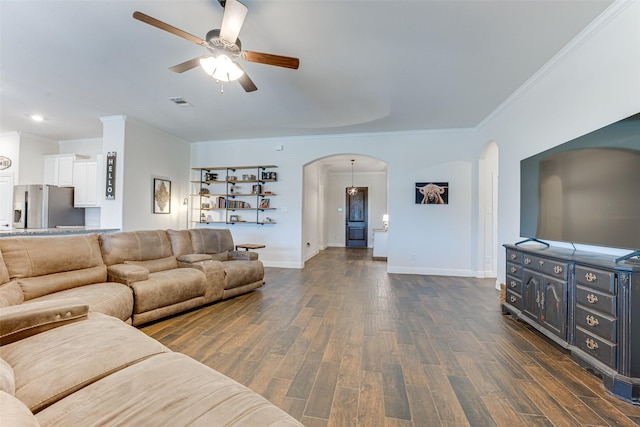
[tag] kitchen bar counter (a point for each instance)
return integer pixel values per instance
(53, 231)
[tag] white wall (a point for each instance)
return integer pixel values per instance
(312, 201)
(426, 239)
(150, 153)
(593, 82)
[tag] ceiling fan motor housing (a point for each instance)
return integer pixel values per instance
(217, 45)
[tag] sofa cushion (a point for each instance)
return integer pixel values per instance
(193, 258)
(34, 287)
(113, 299)
(167, 388)
(7, 378)
(168, 287)
(4, 273)
(15, 413)
(135, 246)
(38, 256)
(155, 265)
(211, 240)
(11, 294)
(50, 366)
(180, 242)
(241, 273)
(220, 256)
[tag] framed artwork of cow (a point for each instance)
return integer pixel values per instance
(432, 193)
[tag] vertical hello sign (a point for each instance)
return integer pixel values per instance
(110, 190)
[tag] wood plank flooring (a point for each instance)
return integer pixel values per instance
(343, 343)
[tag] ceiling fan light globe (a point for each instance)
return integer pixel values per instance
(208, 64)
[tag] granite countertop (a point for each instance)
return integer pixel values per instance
(54, 231)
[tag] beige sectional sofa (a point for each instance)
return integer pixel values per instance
(68, 356)
(136, 276)
(61, 365)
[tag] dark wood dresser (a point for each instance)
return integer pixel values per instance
(584, 302)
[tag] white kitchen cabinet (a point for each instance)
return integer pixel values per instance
(86, 183)
(58, 169)
(380, 243)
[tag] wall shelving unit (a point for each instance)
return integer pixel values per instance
(233, 195)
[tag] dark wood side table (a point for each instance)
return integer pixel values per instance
(247, 246)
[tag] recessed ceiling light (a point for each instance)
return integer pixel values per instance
(37, 118)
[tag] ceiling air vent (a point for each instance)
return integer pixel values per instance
(180, 102)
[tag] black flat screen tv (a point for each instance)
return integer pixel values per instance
(586, 190)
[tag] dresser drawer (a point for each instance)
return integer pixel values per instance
(547, 266)
(515, 299)
(514, 256)
(596, 323)
(597, 347)
(594, 278)
(595, 300)
(514, 285)
(514, 270)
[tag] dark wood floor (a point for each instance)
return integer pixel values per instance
(343, 343)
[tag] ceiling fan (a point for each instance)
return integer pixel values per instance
(224, 47)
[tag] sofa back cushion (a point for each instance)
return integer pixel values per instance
(4, 273)
(11, 294)
(135, 246)
(43, 265)
(180, 242)
(211, 240)
(38, 256)
(7, 378)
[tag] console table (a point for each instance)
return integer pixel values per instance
(584, 302)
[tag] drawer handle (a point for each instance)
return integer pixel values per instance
(513, 299)
(591, 344)
(513, 284)
(513, 269)
(590, 277)
(527, 261)
(541, 262)
(557, 269)
(592, 298)
(592, 321)
(514, 256)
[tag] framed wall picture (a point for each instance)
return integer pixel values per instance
(234, 218)
(161, 196)
(432, 193)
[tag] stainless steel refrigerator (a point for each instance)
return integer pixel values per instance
(45, 206)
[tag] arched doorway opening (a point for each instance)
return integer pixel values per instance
(324, 196)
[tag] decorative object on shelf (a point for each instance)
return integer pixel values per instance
(211, 176)
(232, 178)
(234, 218)
(264, 204)
(268, 220)
(205, 205)
(432, 193)
(256, 189)
(204, 190)
(271, 176)
(353, 190)
(161, 196)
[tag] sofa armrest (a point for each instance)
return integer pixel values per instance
(24, 320)
(243, 256)
(193, 258)
(127, 273)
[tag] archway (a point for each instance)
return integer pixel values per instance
(324, 183)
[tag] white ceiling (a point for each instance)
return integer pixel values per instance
(365, 65)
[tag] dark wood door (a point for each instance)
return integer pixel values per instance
(356, 219)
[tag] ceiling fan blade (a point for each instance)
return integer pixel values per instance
(246, 83)
(187, 65)
(232, 20)
(166, 27)
(269, 59)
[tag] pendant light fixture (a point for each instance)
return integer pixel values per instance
(353, 190)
